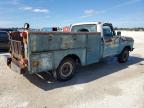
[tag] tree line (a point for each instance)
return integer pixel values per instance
(131, 29)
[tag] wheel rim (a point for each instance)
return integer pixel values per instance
(66, 69)
(125, 55)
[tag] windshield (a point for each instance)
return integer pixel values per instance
(84, 28)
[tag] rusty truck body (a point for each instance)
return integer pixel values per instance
(61, 52)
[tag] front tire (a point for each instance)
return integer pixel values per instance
(65, 70)
(123, 57)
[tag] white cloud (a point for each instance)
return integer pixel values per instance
(36, 10)
(91, 12)
(88, 13)
(41, 10)
(27, 8)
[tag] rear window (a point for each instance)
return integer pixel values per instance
(84, 28)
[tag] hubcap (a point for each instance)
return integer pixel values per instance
(66, 69)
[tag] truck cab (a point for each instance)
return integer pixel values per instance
(112, 41)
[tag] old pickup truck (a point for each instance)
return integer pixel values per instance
(60, 52)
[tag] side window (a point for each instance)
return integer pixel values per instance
(84, 28)
(107, 32)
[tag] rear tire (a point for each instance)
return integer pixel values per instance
(123, 57)
(65, 70)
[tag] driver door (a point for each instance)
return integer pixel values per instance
(111, 43)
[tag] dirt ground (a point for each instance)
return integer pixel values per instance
(107, 84)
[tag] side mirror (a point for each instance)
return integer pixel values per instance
(118, 33)
(26, 26)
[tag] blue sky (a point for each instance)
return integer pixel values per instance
(45, 13)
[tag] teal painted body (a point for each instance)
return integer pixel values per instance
(60, 52)
(51, 48)
(47, 50)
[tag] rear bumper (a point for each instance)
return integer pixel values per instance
(17, 67)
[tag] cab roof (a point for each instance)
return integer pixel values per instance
(86, 23)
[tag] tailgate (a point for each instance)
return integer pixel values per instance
(17, 46)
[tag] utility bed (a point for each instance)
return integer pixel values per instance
(50, 48)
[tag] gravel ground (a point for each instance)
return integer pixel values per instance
(107, 84)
